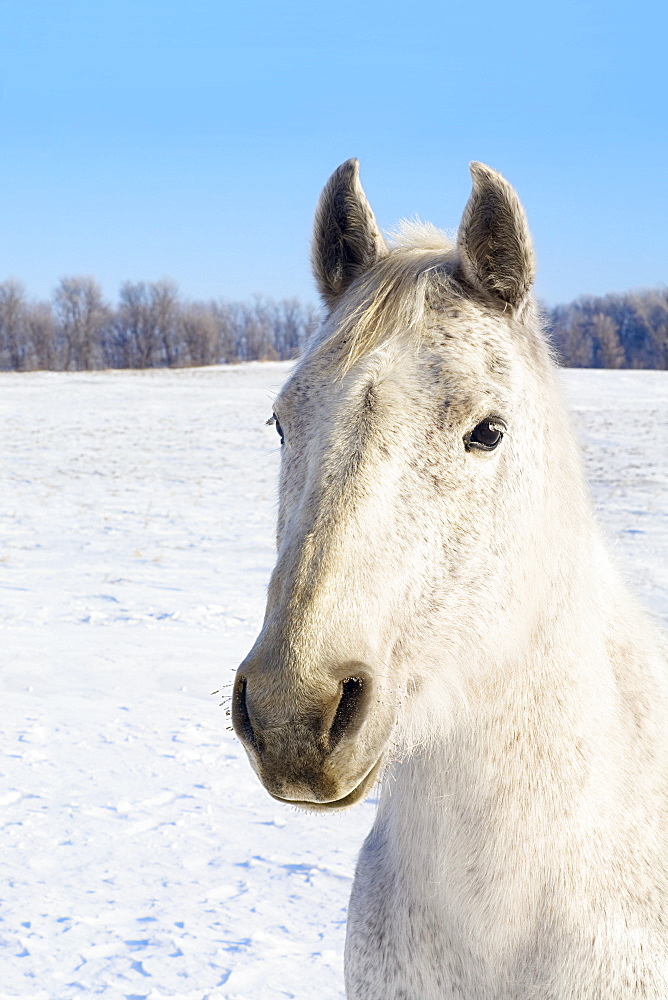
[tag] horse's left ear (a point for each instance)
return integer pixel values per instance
(494, 240)
(346, 237)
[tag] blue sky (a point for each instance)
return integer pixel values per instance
(141, 140)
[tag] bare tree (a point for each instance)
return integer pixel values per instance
(292, 325)
(12, 325)
(134, 335)
(82, 316)
(200, 332)
(608, 350)
(253, 330)
(41, 336)
(165, 314)
(225, 317)
(147, 329)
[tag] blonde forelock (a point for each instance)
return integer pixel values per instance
(391, 297)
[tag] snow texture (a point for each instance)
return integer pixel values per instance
(139, 856)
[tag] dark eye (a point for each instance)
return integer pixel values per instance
(273, 419)
(486, 435)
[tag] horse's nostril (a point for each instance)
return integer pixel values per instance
(240, 717)
(348, 709)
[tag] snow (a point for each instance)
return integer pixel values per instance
(139, 856)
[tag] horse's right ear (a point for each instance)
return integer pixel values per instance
(346, 237)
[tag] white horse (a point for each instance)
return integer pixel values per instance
(444, 616)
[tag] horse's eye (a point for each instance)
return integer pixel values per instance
(273, 419)
(486, 435)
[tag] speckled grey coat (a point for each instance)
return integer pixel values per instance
(443, 613)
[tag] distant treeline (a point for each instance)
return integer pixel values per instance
(614, 331)
(152, 327)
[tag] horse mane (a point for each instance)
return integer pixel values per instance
(392, 295)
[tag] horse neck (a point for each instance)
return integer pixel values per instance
(531, 722)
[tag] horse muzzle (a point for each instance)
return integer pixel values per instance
(318, 752)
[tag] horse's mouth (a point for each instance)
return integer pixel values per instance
(345, 802)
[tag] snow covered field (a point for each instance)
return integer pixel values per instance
(139, 856)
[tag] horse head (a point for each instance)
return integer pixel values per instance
(412, 430)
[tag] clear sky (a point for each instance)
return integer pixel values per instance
(190, 138)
